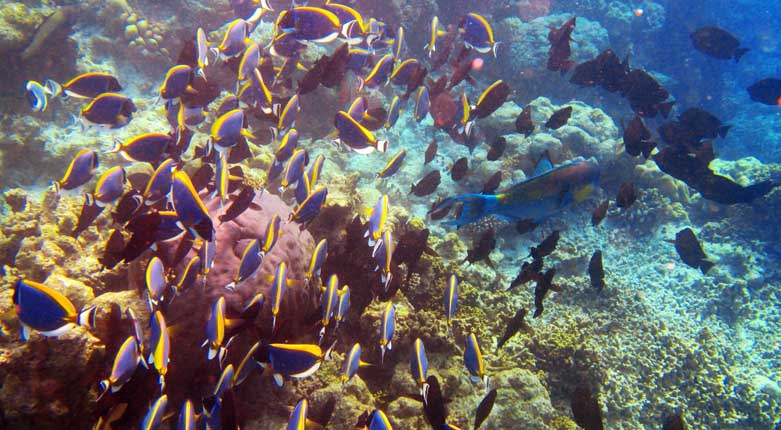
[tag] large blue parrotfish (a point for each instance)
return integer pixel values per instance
(544, 194)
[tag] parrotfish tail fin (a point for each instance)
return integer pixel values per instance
(739, 53)
(55, 89)
(87, 317)
(474, 207)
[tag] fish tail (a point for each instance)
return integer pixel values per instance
(52, 87)
(87, 317)
(739, 53)
(474, 207)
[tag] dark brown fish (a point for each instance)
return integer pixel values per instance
(491, 99)
(546, 247)
(525, 226)
(497, 149)
(182, 249)
(427, 185)
(689, 249)
(543, 285)
(703, 124)
(585, 408)
(515, 324)
(529, 272)
(559, 52)
(674, 422)
(482, 248)
(443, 110)
(411, 247)
(717, 43)
(460, 169)
(335, 67)
(606, 71)
(240, 203)
(599, 213)
(524, 124)
(202, 176)
(626, 195)
(596, 271)
(559, 118)
(484, 408)
(645, 95)
(637, 138)
(112, 254)
(460, 73)
(89, 213)
(492, 183)
(439, 213)
(129, 204)
(415, 81)
(434, 405)
(766, 91)
(323, 415)
(431, 152)
(693, 169)
(311, 79)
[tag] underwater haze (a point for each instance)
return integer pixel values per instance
(374, 215)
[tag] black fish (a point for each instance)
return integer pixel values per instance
(335, 66)
(559, 52)
(690, 250)
(181, 251)
(703, 124)
(626, 195)
(606, 70)
(410, 248)
(202, 176)
(112, 254)
(559, 118)
(524, 124)
(434, 405)
(529, 272)
(525, 226)
(637, 138)
(482, 248)
(693, 169)
(492, 183)
(89, 213)
(674, 422)
(585, 409)
(128, 205)
(645, 95)
(515, 324)
(311, 79)
(599, 213)
(415, 81)
(241, 203)
(767, 91)
(427, 185)
(431, 152)
(544, 284)
(497, 149)
(546, 247)
(679, 135)
(717, 43)
(459, 169)
(440, 213)
(596, 271)
(484, 408)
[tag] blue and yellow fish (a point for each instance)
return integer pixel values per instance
(387, 329)
(126, 361)
(110, 186)
(473, 360)
(451, 300)
(159, 185)
(187, 419)
(295, 360)
(36, 96)
(436, 33)
(215, 332)
(154, 417)
(393, 165)
(328, 302)
(246, 366)
(250, 261)
(394, 110)
(352, 362)
(319, 255)
(383, 255)
(156, 282)
(549, 191)
(160, 343)
(176, 81)
(310, 24)
(418, 366)
(355, 136)
(278, 288)
(79, 172)
(422, 104)
(309, 208)
(87, 86)
(477, 33)
(377, 220)
(343, 306)
(297, 419)
(109, 110)
(47, 311)
(191, 212)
